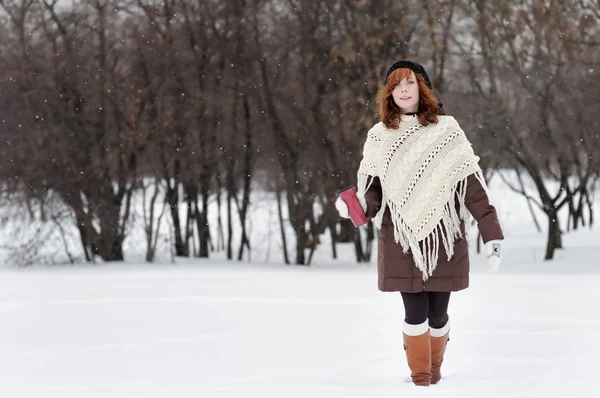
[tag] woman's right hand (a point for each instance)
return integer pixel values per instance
(342, 208)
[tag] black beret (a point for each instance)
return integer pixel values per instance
(414, 66)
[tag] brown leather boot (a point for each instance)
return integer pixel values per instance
(418, 354)
(439, 340)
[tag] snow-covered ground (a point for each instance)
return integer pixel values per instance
(235, 330)
(211, 328)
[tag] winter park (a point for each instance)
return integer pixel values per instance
(299, 198)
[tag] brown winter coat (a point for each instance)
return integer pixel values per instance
(397, 270)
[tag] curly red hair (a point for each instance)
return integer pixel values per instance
(390, 113)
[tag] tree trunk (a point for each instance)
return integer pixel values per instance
(203, 232)
(578, 213)
(244, 243)
(334, 238)
(149, 240)
(571, 219)
(346, 231)
(85, 243)
(229, 224)
(247, 176)
(181, 250)
(220, 234)
(117, 249)
(300, 241)
(370, 239)
(191, 215)
(590, 205)
(554, 234)
(286, 258)
(557, 235)
(149, 221)
(358, 246)
(107, 240)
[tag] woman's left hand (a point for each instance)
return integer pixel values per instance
(494, 254)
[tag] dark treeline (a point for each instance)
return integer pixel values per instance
(208, 99)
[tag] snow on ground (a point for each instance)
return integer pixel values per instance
(237, 330)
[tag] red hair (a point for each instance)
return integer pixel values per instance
(390, 113)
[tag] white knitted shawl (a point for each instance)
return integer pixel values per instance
(422, 170)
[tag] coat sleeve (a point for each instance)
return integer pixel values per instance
(373, 198)
(482, 210)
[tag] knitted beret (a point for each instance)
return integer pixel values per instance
(414, 66)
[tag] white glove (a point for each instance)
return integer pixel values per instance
(494, 254)
(342, 207)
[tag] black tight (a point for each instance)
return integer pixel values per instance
(418, 307)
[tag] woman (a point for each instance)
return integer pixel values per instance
(418, 180)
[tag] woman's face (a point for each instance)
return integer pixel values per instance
(406, 94)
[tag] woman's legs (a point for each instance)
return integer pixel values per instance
(439, 328)
(437, 310)
(426, 327)
(417, 341)
(415, 307)
(423, 306)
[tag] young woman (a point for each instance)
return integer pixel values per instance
(418, 180)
